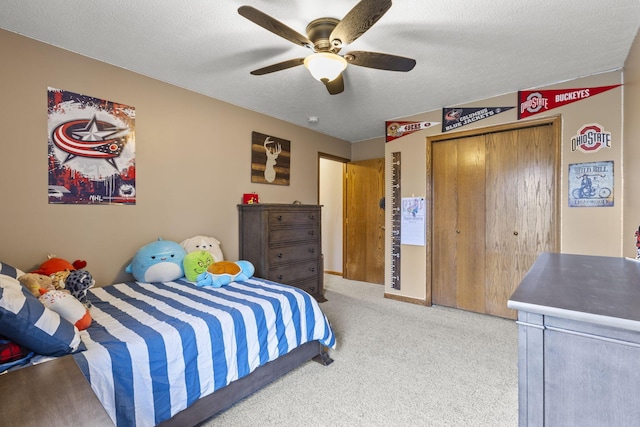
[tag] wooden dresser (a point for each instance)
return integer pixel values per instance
(284, 243)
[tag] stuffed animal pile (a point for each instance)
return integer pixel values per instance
(198, 259)
(69, 276)
(62, 287)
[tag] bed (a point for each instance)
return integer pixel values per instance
(175, 354)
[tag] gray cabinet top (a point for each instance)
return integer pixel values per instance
(594, 289)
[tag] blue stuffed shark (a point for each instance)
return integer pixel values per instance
(159, 261)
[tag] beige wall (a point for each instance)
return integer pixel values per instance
(592, 231)
(369, 149)
(631, 156)
(192, 156)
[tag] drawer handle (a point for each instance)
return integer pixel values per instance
(312, 250)
(279, 277)
(311, 233)
(312, 269)
(280, 255)
(279, 217)
(312, 217)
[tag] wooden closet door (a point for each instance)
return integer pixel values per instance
(445, 213)
(520, 205)
(494, 211)
(459, 223)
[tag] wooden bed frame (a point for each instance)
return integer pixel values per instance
(234, 392)
(62, 377)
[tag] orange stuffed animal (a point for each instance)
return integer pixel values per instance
(53, 265)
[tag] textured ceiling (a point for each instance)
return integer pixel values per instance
(465, 50)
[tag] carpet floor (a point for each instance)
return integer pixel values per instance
(396, 364)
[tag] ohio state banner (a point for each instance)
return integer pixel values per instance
(453, 118)
(91, 150)
(397, 129)
(531, 102)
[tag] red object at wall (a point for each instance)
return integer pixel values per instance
(250, 198)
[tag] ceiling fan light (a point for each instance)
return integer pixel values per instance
(325, 66)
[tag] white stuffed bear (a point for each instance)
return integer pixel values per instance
(198, 243)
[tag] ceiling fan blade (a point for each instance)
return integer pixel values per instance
(278, 67)
(336, 85)
(275, 26)
(358, 20)
(381, 61)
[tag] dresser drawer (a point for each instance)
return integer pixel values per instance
(292, 218)
(293, 253)
(309, 285)
(290, 235)
(292, 272)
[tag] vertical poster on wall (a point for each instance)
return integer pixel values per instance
(412, 227)
(591, 184)
(91, 150)
(270, 159)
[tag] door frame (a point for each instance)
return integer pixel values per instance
(344, 162)
(554, 121)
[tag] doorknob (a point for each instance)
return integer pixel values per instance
(458, 231)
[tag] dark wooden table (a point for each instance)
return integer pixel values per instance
(53, 393)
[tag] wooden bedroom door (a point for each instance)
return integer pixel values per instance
(494, 211)
(364, 221)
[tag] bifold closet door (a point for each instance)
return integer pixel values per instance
(493, 214)
(459, 223)
(520, 168)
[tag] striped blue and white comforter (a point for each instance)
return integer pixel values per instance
(154, 349)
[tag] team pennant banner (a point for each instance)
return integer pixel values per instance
(453, 118)
(396, 130)
(532, 102)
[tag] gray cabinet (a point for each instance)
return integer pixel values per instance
(579, 341)
(284, 244)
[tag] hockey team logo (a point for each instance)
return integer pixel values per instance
(591, 138)
(93, 139)
(534, 103)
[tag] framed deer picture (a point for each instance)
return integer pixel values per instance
(270, 159)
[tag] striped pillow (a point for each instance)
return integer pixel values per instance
(27, 322)
(9, 270)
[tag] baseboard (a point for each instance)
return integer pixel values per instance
(335, 273)
(406, 299)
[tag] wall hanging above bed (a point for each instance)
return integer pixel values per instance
(91, 150)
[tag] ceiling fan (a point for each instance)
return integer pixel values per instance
(326, 37)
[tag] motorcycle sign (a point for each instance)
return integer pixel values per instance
(591, 184)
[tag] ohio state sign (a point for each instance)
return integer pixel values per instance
(591, 138)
